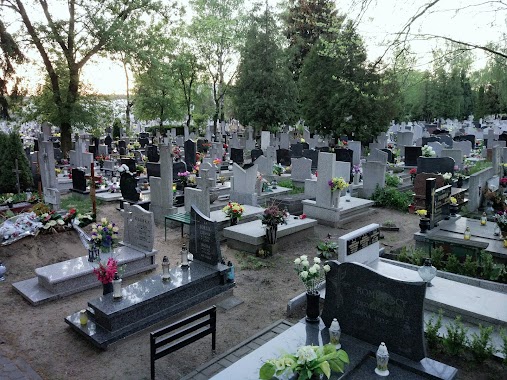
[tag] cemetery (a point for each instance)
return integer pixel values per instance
(263, 200)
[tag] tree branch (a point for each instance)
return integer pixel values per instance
(480, 47)
(56, 34)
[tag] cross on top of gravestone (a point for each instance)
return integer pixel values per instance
(204, 182)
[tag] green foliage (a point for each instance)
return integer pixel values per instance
(390, 197)
(289, 184)
(82, 205)
(265, 94)
(248, 261)
(489, 269)
(11, 148)
(479, 165)
(452, 265)
(392, 180)
(432, 327)
(469, 267)
(456, 339)
(117, 129)
(503, 349)
(328, 249)
(481, 344)
(437, 257)
(412, 255)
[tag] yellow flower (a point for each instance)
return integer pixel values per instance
(421, 212)
(453, 200)
(103, 221)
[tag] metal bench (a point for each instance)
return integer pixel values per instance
(182, 218)
(180, 334)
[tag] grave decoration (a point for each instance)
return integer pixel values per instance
(313, 277)
(424, 223)
(104, 235)
(427, 151)
(307, 362)
(337, 184)
(234, 211)
(105, 274)
(271, 218)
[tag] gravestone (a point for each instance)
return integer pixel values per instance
(435, 165)
(92, 149)
(374, 174)
(131, 164)
(152, 153)
(283, 157)
(390, 155)
(377, 156)
(197, 198)
(284, 141)
(243, 184)
(265, 166)
(153, 169)
(204, 241)
(103, 150)
(139, 228)
(437, 201)
(345, 155)
(447, 140)
(265, 139)
(108, 141)
(456, 155)
(313, 155)
(411, 155)
(326, 170)
(360, 246)
(375, 308)
(355, 146)
(255, 154)
(161, 192)
(78, 180)
(420, 187)
(48, 176)
(58, 154)
(437, 147)
(200, 145)
(382, 140)
(143, 141)
(404, 139)
(178, 167)
(122, 144)
(237, 156)
(465, 146)
(301, 169)
(128, 188)
(296, 150)
(123, 151)
(342, 169)
(190, 151)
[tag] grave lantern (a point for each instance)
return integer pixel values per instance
(230, 274)
(165, 269)
(93, 253)
(117, 286)
(382, 360)
(468, 234)
(335, 333)
(484, 219)
(184, 256)
(427, 272)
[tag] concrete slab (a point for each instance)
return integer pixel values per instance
(348, 211)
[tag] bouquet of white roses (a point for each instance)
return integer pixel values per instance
(311, 275)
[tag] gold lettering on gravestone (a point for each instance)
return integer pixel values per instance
(362, 241)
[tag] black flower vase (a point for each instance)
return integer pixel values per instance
(453, 209)
(424, 225)
(234, 221)
(107, 288)
(312, 307)
(271, 234)
(459, 183)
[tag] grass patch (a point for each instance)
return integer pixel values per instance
(480, 165)
(250, 261)
(81, 204)
(288, 183)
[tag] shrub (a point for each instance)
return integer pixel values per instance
(412, 255)
(503, 350)
(437, 257)
(452, 265)
(489, 269)
(288, 184)
(11, 148)
(469, 267)
(481, 345)
(456, 339)
(432, 329)
(391, 197)
(392, 180)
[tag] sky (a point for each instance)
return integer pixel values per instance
(458, 19)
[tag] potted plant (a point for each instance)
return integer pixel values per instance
(271, 218)
(424, 223)
(104, 235)
(312, 275)
(234, 211)
(183, 176)
(105, 274)
(501, 220)
(337, 184)
(308, 362)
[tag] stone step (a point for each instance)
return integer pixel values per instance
(72, 276)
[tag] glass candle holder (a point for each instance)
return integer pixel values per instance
(382, 360)
(83, 317)
(468, 234)
(335, 333)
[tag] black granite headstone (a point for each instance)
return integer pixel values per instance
(190, 151)
(123, 151)
(78, 180)
(143, 141)
(201, 145)
(447, 140)
(153, 169)
(435, 165)
(426, 140)
(313, 155)
(344, 155)
(283, 157)
(128, 188)
(390, 155)
(375, 308)
(204, 240)
(152, 153)
(305, 145)
(256, 153)
(470, 138)
(108, 141)
(323, 149)
(296, 150)
(130, 162)
(237, 156)
(178, 167)
(122, 144)
(411, 154)
(35, 145)
(144, 135)
(92, 150)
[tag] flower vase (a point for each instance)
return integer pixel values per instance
(234, 221)
(424, 225)
(459, 183)
(107, 288)
(357, 177)
(312, 307)
(106, 250)
(453, 209)
(335, 198)
(271, 234)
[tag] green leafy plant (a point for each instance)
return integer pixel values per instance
(489, 269)
(432, 326)
(437, 257)
(503, 350)
(411, 255)
(452, 265)
(469, 267)
(480, 165)
(247, 261)
(391, 197)
(481, 344)
(290, 185)
(456, 339)
(392, 180)
(327, 248)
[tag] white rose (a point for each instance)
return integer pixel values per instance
(297, 261)
(103, 221)
(312, 270)
(316, 260)
(305, 263)
(304, 258)
(327, 268)
(304, 275)
(115, 229)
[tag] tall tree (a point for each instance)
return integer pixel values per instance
(306, 21)
(87, 29)
(265, 94)
(216, 28)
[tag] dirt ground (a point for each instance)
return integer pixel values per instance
(40, 335)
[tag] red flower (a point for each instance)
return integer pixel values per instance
(302, 216)
(413, 171)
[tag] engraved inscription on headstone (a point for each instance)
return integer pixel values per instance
(363, 241)
(139, 228)
(375, 308)
(204, 241)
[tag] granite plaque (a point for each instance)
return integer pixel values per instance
(153, 169)
(78, 180)
(375, 308)
(139, 228)
(362, 241)
(435, 165)
(128, 188)
(437, 201)
(204, 240)
(190, 151)
(411, 155)
(237, 156)
(313, 155)
(283, 157)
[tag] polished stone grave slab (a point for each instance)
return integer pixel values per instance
(359, 352)
(73, 276)
(335, 217)
(149, 301)
(250, 236)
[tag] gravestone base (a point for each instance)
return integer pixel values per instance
(336, 217)
(150, 301)
(249, 237)
(62, 279)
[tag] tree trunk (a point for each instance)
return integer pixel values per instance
(65, 137)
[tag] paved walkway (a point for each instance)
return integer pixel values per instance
(16, 369)
(224, 360)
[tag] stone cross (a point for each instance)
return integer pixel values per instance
(204, 182)
(17, 171)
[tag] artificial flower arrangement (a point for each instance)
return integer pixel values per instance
(453, 200)
(427, 151)
(196, 167)
(105, 273)
(51, 222)
(503, 181)
(356, 169)
(501, 220)
(308, 361)
(104, 234)
(273, 216)
(447, 178)
(342, 143)
(312, 275)
(422, 213)
(278, 169)
(217, 161)
(83, 220)
(183, 176)
(337, 183)
(413, 173)
(233, 210)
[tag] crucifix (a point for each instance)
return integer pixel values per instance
(92, 188)
(17, 171)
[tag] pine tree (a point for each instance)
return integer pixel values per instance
(12, 149)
